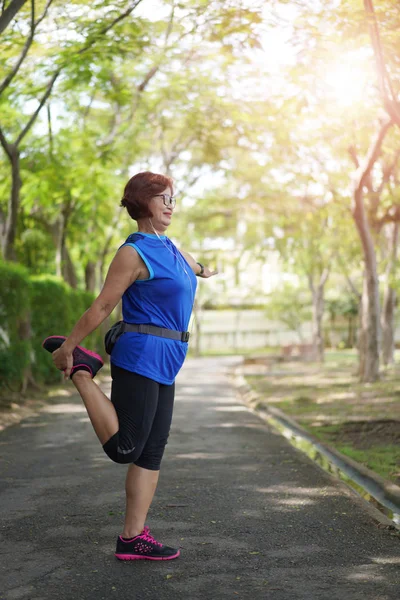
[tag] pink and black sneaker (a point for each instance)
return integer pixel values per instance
(144, 546)
(84, 360)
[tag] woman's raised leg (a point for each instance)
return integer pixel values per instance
(100, 410)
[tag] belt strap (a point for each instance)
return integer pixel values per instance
(172, 334)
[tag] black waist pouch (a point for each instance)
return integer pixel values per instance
(112, 335)
(119, 328)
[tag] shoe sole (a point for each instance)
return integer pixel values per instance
(141, 557)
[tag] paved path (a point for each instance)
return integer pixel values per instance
(255, 518)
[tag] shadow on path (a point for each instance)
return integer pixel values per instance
(254, 518)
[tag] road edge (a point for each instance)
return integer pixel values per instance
(375, 491)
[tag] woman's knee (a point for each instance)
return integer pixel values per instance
(151, 458)
(121, 455)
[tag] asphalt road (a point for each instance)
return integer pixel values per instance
(255, 519)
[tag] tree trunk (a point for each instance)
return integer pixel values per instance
(90, 276)
(317, 316)
(361, 341)
(299, 333)
(106, 248)
(68, 269)
(351, 329)
(369, 336)
(370, 323)
(388, 326)
(59, 240)
(25, 333)
(369, 339)
(318, 301)
(389, 300)
(102, 262)
(64, 265)
(370, 330)
(13, 205)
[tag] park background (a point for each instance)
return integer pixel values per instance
(280, 125)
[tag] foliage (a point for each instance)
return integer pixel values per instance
(52, 314)
(49, 306)
(55, 309)
(14, 307)
(263, 148)
(291, 306)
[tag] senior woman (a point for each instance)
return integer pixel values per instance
(157, 284)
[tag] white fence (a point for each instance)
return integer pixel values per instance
(241, 329)
(230, 330)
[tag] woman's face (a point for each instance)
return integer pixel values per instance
(162, 212)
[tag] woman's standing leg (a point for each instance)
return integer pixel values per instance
(140, 487)
(142, 477)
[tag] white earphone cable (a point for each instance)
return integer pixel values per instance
(179, 259)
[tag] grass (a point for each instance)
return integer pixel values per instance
(384, 460)
(360, 420)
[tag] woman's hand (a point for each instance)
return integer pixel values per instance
(63, 359)
(208, 273)
(195, 266)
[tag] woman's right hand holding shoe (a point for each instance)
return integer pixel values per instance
(63, 359)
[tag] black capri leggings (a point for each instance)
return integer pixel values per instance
(144, 409)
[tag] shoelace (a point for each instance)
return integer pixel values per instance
(148, 537)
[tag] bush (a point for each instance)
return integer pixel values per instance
(14, 317)
(55, 309)
(32, 308)
(51, 314)
(80, 302)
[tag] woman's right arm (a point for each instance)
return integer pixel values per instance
(124, 270)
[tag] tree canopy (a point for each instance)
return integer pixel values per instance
(278, 121)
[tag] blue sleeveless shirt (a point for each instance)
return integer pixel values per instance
(165, 299)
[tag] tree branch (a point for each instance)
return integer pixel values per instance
(147, 78)
(87, 109)
(9, 13)
(389, 98)
(353, 288)
(8, 79)
(353, 155)
(57, 73)
(388, 171)
(311, 283)
(116, 122)
(50, 131)
(34, 116)
(152, 72)
(107, 28)
(6, 146)
(348, 279)
(364, 170)
(324, 276)
(392, 215)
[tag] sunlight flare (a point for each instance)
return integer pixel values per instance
(346, 82)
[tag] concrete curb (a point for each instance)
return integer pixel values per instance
(380, 493)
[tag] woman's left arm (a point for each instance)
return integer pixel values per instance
(197, 268)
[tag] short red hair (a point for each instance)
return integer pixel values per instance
(140, 189)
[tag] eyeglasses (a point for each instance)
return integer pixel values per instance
(167, 199)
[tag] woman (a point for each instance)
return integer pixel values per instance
(157, 284)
